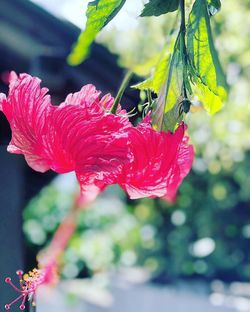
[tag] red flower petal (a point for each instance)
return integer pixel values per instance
(94, 146)
(26, 108)
(87, 97)
(181, 167)
(107, 102)
(159, 162)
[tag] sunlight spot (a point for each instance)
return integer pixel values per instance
(203, 247)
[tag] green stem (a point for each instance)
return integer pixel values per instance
(183, 23)
(121, 90)
(183, 46)
(183, 30)
(150, 101)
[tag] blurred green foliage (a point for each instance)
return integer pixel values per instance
(206, 232)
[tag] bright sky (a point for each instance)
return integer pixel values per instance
(74, 11)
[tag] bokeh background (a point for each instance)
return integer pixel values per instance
(200, 245)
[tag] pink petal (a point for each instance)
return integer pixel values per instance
(107, 102)
(182, 166)
(26, 108)
(87, 97)
(2, 99)
(157, 162)
(94, 146)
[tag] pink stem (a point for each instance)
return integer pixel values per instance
(12, 285)
(50, 257)
(22, 306)
(15, 300)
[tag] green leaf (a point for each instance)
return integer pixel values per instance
(167, 111)
(167, 83)
(144, 69)
(159, 7)
(210, 80)
(210, 101)
(156, 81)
(99, 14)
(174, 83)
(166, 120)
(213, 6)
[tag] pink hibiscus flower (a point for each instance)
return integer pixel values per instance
(82, 135)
